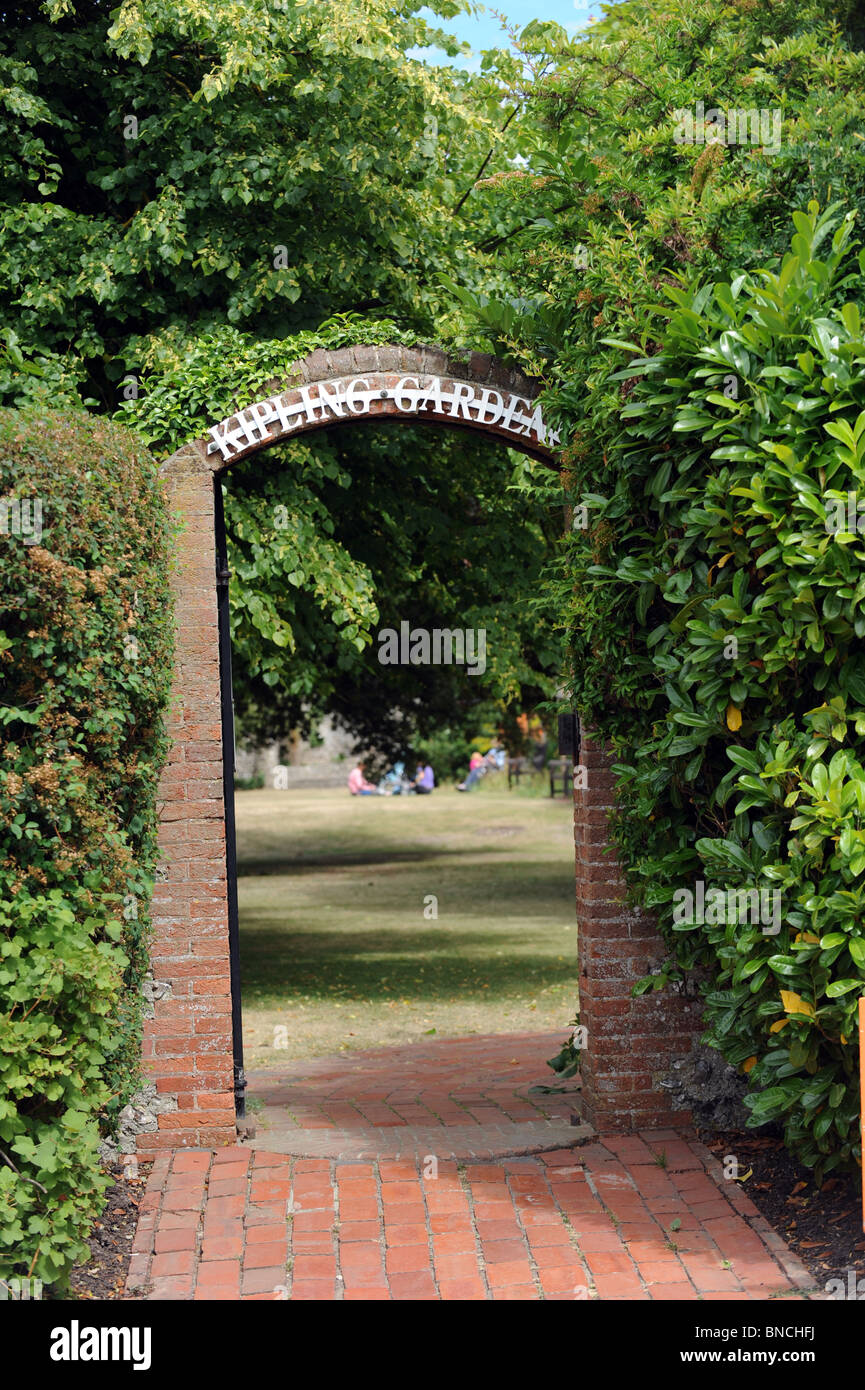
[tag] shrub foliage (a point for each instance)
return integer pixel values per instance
(704, 361)
(732, 540)
(85, 657)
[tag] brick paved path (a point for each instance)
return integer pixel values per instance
(639, 1217)
(475, 1097)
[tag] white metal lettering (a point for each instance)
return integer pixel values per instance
(411, 396)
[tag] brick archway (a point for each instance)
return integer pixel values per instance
(188, 1042)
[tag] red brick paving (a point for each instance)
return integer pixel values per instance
(581, 1223)
(483, 1091)
(644, 1216)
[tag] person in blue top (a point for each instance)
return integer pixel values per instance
(424, 779)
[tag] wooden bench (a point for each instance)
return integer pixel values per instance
(561, 771)
(517, 768)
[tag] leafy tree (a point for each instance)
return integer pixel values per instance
(383, 526)
(268, 164)
(194, 186)
(744, 770)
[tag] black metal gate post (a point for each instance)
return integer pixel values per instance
(569, 751)
(223, 574)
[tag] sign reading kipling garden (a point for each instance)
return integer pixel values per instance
(326, 402)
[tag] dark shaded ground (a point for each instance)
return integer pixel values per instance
(103, 1276)
(822, 1226)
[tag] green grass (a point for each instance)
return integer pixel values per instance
(335, 947)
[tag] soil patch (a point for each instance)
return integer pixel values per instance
(103, 1276)
(823, 1226)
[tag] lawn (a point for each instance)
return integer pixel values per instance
(336, 949)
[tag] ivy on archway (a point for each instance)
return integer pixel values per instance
(334, 534)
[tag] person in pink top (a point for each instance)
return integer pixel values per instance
(357, 783)
(478, 765)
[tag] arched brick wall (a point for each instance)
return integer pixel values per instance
(417, 384)
(188, 1041)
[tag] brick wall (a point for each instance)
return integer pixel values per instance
(631, 1042)
(188, 1044)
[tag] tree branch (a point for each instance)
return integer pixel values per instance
(497, 241)
(485, 163)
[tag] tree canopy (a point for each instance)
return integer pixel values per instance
(263, 164)
(193, 191)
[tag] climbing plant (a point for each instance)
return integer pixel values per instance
(333, 536)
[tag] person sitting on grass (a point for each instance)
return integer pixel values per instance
(492, 760)
(474, 763)
(357, 783)
(395, 782)
(424, 779)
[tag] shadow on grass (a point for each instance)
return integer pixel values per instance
(299, 862)
(374, 966)
(467, 884)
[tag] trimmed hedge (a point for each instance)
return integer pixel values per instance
(85, 667)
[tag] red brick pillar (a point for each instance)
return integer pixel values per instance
(188, 1042)
(631, 1043)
